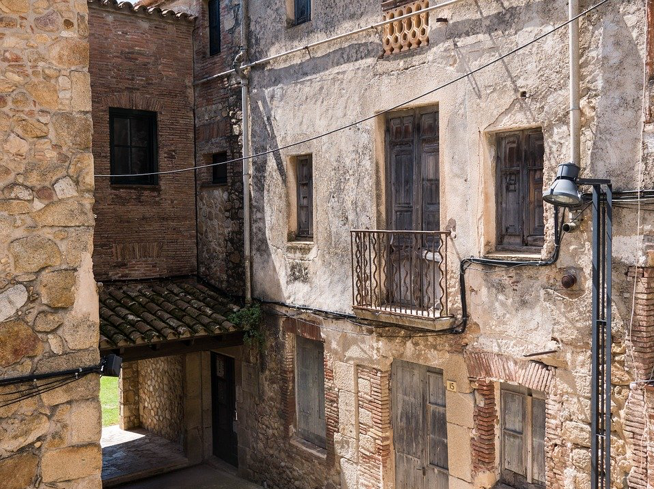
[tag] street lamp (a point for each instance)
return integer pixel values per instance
(564, 192)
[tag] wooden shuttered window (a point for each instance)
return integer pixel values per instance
(520, 186)
(419, 427)
(133, 146)
(413, 176)
(523, 439)
(304, 171)
(302, 11)
(214, 27)
(310, 391)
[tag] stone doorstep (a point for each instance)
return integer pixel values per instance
(143, 474)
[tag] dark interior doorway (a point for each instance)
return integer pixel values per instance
(223, 392)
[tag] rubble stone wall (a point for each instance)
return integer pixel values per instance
(144, 62)
(161, 396)
(129, 402)
(48, 298)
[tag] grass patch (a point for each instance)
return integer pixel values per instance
(109, 400)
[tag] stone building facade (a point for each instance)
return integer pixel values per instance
(528, 337)
(48, 300)
(145, 229)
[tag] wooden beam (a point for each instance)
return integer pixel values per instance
(176, 347)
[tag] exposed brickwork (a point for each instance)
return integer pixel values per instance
(145, 64)
(331, 408)
(636, 432)
(218, 129)
(642, 329)
(485, 420)
(374, 426)
(532, 375)
(556, 448)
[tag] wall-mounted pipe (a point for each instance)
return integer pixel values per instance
(575, 111)
(240, 67)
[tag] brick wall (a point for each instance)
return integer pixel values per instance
(374, 426)
(144, 62)
(218, 129)
(485, 420)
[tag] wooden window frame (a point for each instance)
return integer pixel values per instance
(307, 435)
(297, 20)
(415, 146)
(219, 172)
(529, 188)
(152, 163)
(507, 476)
(213, 14)
(304, 232)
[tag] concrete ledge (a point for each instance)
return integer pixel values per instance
(433, 324)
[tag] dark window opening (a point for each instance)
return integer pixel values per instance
(219, 171)
(520, 220)
(214, 27)
(133, 143)
(302, 11)
(304, 197)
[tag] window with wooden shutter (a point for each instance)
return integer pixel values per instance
(310, 390)
(304, 172)
(214, 27)
(133, 146)
(302, 11)
(413, 174)
(520, 220)
(523, 438)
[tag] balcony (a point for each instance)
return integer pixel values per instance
(400, 277)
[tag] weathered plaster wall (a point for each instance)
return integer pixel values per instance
(48, 299)
(513, 312)
(161, 396)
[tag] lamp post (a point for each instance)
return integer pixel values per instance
(564, 192)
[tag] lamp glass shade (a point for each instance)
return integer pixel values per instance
(564, 191)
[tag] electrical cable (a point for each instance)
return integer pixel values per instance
(374, 116)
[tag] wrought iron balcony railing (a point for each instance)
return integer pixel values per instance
(402, 273)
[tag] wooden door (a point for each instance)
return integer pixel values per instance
(223, 391)
(413, 192)
(419, 427)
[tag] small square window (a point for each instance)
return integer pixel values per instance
(219, 170)
(133, 146)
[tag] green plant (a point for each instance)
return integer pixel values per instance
(249, 319)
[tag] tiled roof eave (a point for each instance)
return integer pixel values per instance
(142, 10)
(147, 313)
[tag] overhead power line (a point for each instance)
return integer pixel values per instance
(390, 109)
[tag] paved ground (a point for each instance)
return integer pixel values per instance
(199, 477)
(127, 455)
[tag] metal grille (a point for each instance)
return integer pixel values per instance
(400, 272)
